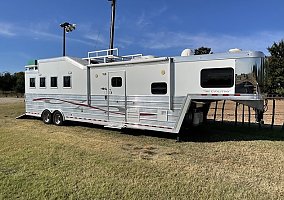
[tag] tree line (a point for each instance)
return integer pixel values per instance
(12, 82)
(274, 72)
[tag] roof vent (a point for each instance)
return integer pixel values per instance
(187, 52)
(235, 50)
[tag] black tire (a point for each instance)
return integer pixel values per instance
(57, 118)
(46, 117)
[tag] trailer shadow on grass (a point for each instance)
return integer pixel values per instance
(228, 131)
(209, 132)
(213, 132)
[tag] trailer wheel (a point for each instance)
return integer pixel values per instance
(57, 118)
(46, 117)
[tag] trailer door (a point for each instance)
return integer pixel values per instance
(116, 96)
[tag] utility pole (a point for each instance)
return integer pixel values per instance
(113, 2)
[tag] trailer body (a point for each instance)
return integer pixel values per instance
(141, 92)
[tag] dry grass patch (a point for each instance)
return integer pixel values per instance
(38, 161)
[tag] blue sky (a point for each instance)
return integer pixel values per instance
(30, 29)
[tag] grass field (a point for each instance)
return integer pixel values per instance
(40, 161)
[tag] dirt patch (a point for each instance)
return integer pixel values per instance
(141, 152)
(11, 100)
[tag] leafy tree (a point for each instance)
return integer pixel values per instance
(202, 50)
(20, 82)
(7, 82)
(1, 82)
(274, 83)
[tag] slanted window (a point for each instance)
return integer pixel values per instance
(159, 88)
(53, 82)
(116, 81)
(67, 81)
(217, 78)
(42, 82)
(32, 82)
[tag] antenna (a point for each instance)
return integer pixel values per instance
(113, 2)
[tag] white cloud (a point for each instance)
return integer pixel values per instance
(97, 38)
(6, 29)
(146, 18)
(35, 31)
(142, 21)
(124, 42)
(218, 43)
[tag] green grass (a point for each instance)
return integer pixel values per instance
(39, 161)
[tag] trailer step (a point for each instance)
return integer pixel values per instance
(23, 116)
(114, 126)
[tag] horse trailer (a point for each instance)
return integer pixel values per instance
(141, 92)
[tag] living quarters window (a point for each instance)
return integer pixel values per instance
(217, 78)
(67, 81)
(32, 82)
(53, 82)
(159, 88)
(42, 82)
(116, 81)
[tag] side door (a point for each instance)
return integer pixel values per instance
(116, 96)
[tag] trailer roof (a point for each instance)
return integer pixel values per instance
(219, 56)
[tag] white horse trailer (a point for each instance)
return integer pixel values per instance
(141, 92)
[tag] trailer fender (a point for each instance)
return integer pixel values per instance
(184, 109)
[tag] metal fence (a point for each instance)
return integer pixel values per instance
(241, 114)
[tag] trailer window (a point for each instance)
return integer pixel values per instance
(53, 82)
(42, 82)
(67, 81)
(159, 88)
(116, 81)
(32, 82)
(217, 78)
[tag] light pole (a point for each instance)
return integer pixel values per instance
(67, 27)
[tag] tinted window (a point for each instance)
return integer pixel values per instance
(42, 82)
(53, 82)
(159, 88)
(116, 81)
(32, 82)
(217, 78)
(66, 81)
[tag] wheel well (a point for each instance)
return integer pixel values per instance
(45, 110)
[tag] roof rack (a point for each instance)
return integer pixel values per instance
(108, 55)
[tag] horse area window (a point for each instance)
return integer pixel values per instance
(42, 82)
(67, 81)
(53, 82)
(32, 82)
(217, 78)
(159, 88)
(116, 82)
